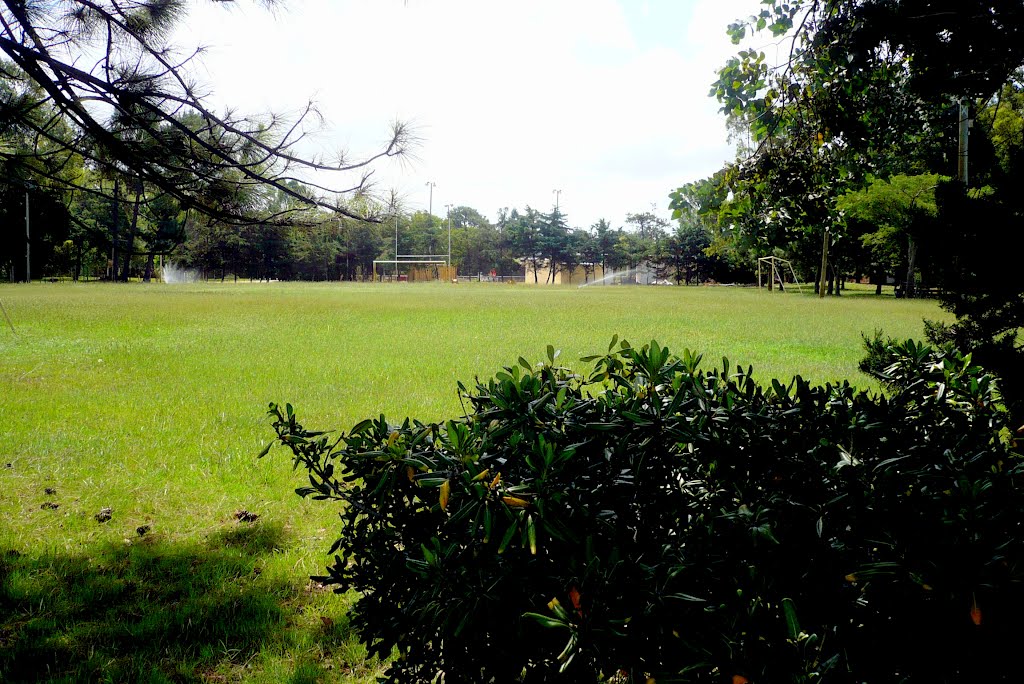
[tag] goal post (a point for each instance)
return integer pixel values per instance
(776, 268)
(418, 267)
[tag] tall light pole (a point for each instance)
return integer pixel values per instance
(430, 210)
(28, 244)
(448, 207)
(965, 125)
(558, 193)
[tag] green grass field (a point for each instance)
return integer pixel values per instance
(151, 400)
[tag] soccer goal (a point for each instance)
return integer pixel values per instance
(776, 269)
(414, 268)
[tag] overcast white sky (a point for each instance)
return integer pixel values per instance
(605, 100)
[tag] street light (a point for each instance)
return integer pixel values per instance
(558, 193)
(430, 211)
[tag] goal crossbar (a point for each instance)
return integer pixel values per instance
(407, 261)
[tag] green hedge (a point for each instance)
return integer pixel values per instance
(655, 520)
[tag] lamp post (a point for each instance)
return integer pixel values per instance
(430, 210)
(558, 194)
(448, 208)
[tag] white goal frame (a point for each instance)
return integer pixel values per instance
(424, 260)
(776, 266)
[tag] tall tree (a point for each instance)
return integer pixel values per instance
(605, 237)
(901, 211)
(736, 240)
(870, 86)
(682, 255)
(34, 170)
(631, 249)
(589, 250)
(833, 113)
(523, 232)
(648, 225)
(554, 237)
(424, 234)
(475, 242)
(165, 230)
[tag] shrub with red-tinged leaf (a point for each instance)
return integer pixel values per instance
(653, 519)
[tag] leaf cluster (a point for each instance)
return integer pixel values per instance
(653, 519)
(857, 91)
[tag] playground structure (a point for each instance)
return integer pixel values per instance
(418, 268)
(776, 272)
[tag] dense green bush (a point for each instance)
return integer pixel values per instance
(655, 520)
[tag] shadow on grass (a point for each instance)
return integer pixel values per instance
(149, 611)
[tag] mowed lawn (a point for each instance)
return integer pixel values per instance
(150, 400)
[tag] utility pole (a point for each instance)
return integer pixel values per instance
(824, 265)
(448, 207)
(558, 194)
(116, 232)
(28, 245)
(430, 210)
(965, 125)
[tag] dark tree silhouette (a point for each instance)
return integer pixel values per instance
(122, 99)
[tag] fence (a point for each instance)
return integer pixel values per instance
(485, 278)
